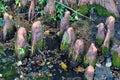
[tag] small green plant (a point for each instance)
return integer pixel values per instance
(116, 59)
(3, 7)
(105, 50)
(60, 10)
(17, 2)
(99, 42)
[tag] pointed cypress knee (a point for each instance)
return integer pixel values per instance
(8, 29)
(21, 43)
(100, 35)
(110, 22)
(50, 7)
(106, 44)
(64, 24)
(90, 57)
(67, 40)
(79, 49)
(89, 73)
(38, 42)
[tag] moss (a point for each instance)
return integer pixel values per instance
(87, 61)
(105, 50)
(44, 78)
(84, 9)
(116, 60)
(99, 42)
(101, 11)
(40, 45)
(64, 47)
(21, 52)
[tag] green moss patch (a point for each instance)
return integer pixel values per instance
(116, 59)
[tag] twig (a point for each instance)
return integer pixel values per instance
(74, 10)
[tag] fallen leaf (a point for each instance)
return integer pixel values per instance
(79, 69)
(64, 66)
(50, 74)
(42, 64)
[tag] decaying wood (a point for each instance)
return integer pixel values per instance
(31, 11)
(50, 7)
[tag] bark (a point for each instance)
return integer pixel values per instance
(64, 24)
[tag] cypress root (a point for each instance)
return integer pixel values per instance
(8, 29)
(90, 57)
(64, 24)
(89, 73)
(67, 40)
(100, 35)
(50, 7)
(110, 22)
(78, 50)
(38, 42)
(21, 43)
(106, 43)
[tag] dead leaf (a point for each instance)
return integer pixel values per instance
(42, 64)
(79, 69)
(64, 66)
